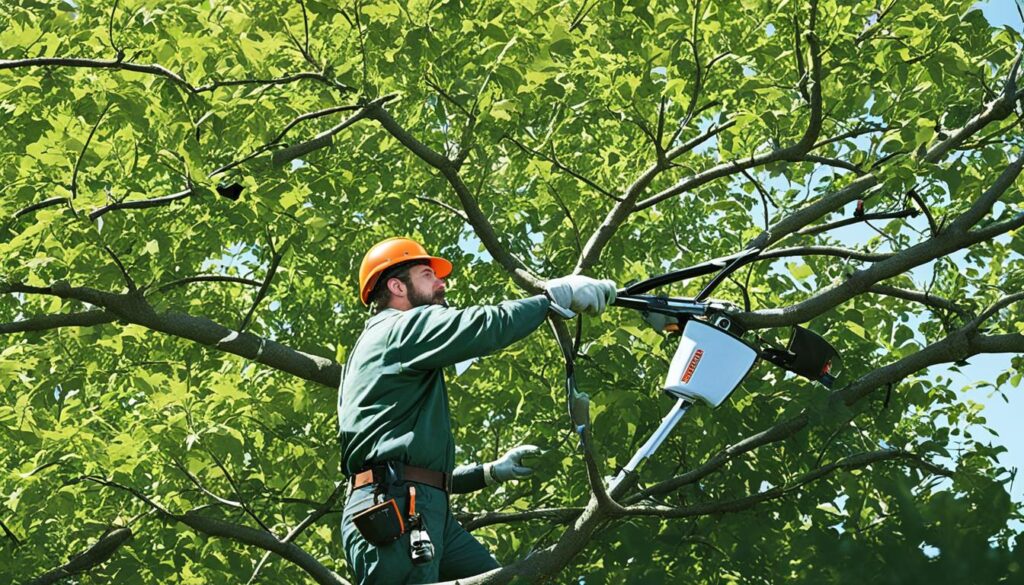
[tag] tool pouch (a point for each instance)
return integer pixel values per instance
(380, 524)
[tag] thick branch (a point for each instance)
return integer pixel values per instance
(924, 298)
(237, 532)
(561, 515)
(134, 309)
(326, 138)
(45, 322)
(955, 237)
(481, 225)
(857, 461)
(97, 554)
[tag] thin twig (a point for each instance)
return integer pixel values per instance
(74, 173)
(124, 271)
(9, 534)
(558, 165)
(143, 204)
(581, 13)
(454, 210)
(238, 493)
(275, 261)
(110, 32)
(813, 230)
(207, 278)
(765, 196)
(913, 195)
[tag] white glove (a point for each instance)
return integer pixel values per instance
(510, 466)
(581, 294)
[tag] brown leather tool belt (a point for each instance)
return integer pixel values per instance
(377, 474)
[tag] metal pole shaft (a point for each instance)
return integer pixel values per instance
(660, 434)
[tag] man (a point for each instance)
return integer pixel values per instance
(397, 446)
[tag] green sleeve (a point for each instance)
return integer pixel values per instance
(432, 337)
(468, 478)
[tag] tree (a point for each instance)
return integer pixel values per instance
(188, 189)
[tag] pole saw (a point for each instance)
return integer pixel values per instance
(712, 359)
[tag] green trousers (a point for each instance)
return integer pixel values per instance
(456, 553)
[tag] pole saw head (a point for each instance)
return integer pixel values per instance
(807, 354)
(708, 365)
(711, 360)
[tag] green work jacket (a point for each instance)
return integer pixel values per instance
(392, 401)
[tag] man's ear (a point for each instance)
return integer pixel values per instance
(396, 287)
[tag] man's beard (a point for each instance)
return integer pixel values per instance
(418, 300)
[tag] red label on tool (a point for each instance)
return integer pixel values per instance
(690, 369)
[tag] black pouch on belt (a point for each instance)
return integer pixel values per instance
(380, 524)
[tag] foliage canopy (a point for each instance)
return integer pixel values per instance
(188, 187)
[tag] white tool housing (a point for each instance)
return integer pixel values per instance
(708, 365)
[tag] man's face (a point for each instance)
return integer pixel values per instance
(427, 288)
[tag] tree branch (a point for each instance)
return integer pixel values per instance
(857, 461)
(558, 165)
(793, 152)
(454, 210)
(95, 555)
(275, 261)
(475, 216)
(834, 162)
(207, 278)
(319, 512)
(924, 298)
(9, 533)
(472, 521)
(134, 309)
(85, 147)
(37, 206)
(45, 322)
(142, 204)
(160, 71)
(239, 533)
(238, 493)
(993, 111)
(815, 230)
(824, 251)
(326, 138)
(955, 237)
(157, 70)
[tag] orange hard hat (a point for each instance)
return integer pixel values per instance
(390, 252)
